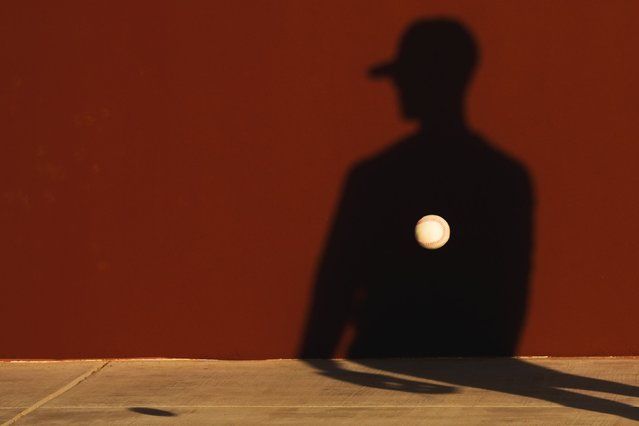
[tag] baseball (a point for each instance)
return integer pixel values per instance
(432, 231)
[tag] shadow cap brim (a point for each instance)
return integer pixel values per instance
(383, 70)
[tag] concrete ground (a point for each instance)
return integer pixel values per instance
(561, 391)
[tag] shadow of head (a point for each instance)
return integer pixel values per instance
(432, 68)
(152, 411)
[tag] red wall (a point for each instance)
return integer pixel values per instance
(168, 170)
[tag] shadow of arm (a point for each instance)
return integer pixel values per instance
(338, 275)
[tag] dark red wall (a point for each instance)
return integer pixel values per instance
(168, 170)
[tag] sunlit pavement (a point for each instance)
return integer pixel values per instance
(542, 391)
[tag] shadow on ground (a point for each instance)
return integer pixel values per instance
(152, 412)
(506, 375)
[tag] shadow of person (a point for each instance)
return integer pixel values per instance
(467, 298)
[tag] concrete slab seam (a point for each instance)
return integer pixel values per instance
(57, 393)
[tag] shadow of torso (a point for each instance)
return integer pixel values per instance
(465, 299)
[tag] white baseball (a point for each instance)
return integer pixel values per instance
(432, 231)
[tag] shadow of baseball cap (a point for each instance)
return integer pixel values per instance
(431, 47)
